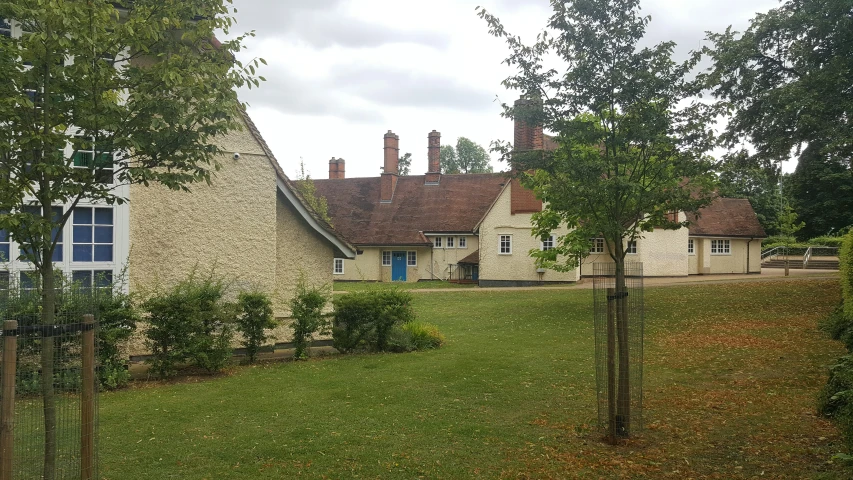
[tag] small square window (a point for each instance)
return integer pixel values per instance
(339, 266)
(386, 258)
(463, 242)
(720, 247)
(412, 259)
(437, 242)
(632, 247)
(548, 243)
(597, 245)
(505, 244)
(449, 242)
(690, 250)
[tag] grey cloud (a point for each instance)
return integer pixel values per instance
(402, 88)
(320, 24)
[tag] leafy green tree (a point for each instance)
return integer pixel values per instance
(447, 159)
(136, 90)
(741, 176)
(822, 192)
(404, 166)
(304, 184)
(467, 157)
(786, 79)
(632, 144)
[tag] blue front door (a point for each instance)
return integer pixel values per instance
(398, 266)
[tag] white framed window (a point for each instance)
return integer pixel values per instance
(5, 247)
(338, 267)
(450, 242)
(463, 242)
(386, 258)
(632, 247)
(597, 245)
(92, 234)
(547, 244)
(89, 156)
(505, 244)
(4, 280)
(6, 27)
(28, 280)
(56, 234)
(721, 247)
(436, 242)
(92, 278)
(412, 259)
(690, 247)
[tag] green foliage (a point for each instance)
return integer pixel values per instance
(835, 242)
(425, 336)
(404, 166)
(743, 176)
(254, 318)
(467, 157)
(365, 320)
(305, 187)
(836, 398)
(845, 257)
(306, 307)
(192, 323)
(822, 192)
(633, 139)
(786, 78)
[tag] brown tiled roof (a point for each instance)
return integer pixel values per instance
(473, 259)
(455, 205)
(726, 217)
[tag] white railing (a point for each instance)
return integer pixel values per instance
(819, 251)
(774, 253)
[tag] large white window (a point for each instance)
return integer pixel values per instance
(505, 244)
(92, 278)
(548, 243)
(597, 245)
(437, 242)
(92, 234)
(386, 258)
(463, 242)
(632, 247)
(449, 242)
(56, 235)
(721, 247)
(338, 268)
(5, 247)
(412, 259)
(690, 247)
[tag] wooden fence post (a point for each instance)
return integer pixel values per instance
(87, 405)
(7, 410)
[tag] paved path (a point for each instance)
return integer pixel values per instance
(767, 275)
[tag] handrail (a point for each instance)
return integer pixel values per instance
(807, 257)
(774, 252)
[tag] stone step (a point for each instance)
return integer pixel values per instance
(813, 264)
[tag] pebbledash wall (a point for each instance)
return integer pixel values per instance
(516, 268)
(240, 226)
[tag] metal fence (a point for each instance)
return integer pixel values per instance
(48, 401)
(618, 302)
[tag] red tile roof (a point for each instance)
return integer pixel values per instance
(473, 259)
(726, 217)
(455, 205)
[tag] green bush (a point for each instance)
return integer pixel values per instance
(364, 320)
(253, 321)
(836, 398)
(425, 336)
(826, 241)
(777, 240)
(306, 307)
(190, 323)
(845, 257)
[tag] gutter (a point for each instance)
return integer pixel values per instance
(747, 255)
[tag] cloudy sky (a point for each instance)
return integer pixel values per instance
(343, 72)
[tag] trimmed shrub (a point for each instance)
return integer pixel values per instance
(425, 336)
(826, 241)
(307, 311)
(254, 318)
(365, 320)
(190, 323)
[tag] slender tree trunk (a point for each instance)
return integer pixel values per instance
(48, 317)
(623, 401)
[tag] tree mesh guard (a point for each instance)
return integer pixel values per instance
(618, 302)
(48, 428)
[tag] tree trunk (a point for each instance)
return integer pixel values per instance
(48, 317)
(623, 400)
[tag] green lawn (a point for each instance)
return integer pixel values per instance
(731, 375)
(369, 286)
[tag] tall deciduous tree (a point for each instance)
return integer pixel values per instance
(467, 157)
(821, 193)
(786, 79)
(741, 176)
(632, 145)
(135, 90)
(447, 159)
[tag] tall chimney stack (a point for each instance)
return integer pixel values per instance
(389, 172)
(527, 135)
(433, 176)
(333, 169)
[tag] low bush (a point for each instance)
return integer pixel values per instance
(836, 398)
(306, 307)
(190, 323)
(254, 318)
(365, 320)
(425, 336)
(826, 241)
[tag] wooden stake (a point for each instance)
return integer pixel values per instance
(87, 414)
(7, 410)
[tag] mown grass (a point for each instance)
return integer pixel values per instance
(371, 286)
(731, 375)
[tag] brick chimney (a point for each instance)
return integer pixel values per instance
(389, 172)
(433, 176)
(527, 137)
(336, 168)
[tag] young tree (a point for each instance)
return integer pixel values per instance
(447, 159)
(632, 144)
(136, 91)
(786, 79)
